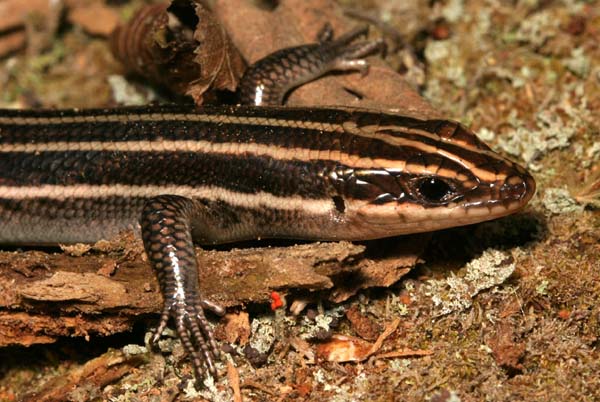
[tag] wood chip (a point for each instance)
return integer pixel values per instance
(13, 13)
(234, 381)
(237, 328)
(95, 18)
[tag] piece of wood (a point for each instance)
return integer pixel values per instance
(35, 284)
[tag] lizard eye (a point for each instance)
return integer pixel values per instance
(434, 190)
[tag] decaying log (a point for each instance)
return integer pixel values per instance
(47, 295)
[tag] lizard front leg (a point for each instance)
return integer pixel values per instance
(167, 234)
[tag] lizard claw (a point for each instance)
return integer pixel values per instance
(195, 333)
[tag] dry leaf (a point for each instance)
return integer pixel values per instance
(222, 65)
(343, 348)
(180, 46)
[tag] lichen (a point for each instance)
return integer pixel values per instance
(552, 133)
(578, 63)
(321, 323)
(455, 293)
(125, 93)
(263, 333)
(560, 201)
(535, 29)
(210, 390)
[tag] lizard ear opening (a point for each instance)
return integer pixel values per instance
(340, 204)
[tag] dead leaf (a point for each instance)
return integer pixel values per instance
(179, 45)
(505, 350)
(257, 32)
(222, 65)
(148, 45)
(343, 348)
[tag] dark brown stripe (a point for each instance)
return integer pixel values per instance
(242, 173)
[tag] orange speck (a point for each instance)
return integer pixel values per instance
(405, 298)
(276, 301)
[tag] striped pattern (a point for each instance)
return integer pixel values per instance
(253, 201)
(324, 163)
(367, 139)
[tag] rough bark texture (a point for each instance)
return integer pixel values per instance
(48, 295)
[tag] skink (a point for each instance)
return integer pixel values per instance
(219, 174)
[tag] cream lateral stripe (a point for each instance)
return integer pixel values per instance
(276, 152)
(249, 148)
(370, 131)
(376, 132)
(259, 200)
(280, 153)
(162, 117)
(225, 148)
(399, 141)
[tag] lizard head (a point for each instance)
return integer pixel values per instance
(425, 176)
